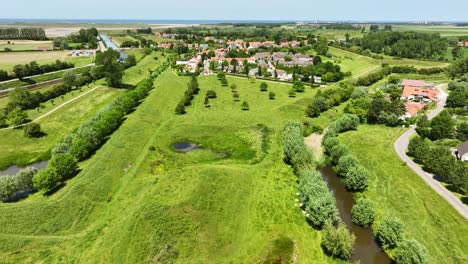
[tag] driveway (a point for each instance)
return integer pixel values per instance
(400, 146)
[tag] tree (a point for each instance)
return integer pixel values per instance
(23, 179)
(338, 242)
(66, 165)
(298, 86)
(356, 179)
(17, 117)
(363, 213)
(423, 126)
(224, 82)
(457, 97)
(442, 126)
(19, 71)
(46, 180)
(411, 252)
(263, 87)
(233, 87)
(338, 151)
(69, 78)
(210, 94)
(7, 187)
(312, 110)
(292, 92)
(236, 96)
(390, 231)
(180, 109)
(418, 149)
(96, 73)
(245, 106)
(111, 68)
(32, 130)
(457, 52)
(20, 97)
(271, 95)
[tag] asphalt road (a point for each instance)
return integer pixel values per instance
(400, 146)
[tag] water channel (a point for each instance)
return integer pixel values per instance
(366, 248)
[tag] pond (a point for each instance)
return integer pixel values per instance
(186, 147)
(13, 170)
(366, 248)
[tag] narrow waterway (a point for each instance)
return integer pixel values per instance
(13, 170)
(366, 249)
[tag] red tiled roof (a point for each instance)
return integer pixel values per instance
(413, 108)
(416, 83)
(418, 91)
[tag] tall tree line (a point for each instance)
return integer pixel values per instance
(23, 33)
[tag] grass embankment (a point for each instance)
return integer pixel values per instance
(21, 150)
(221, 204)
(396, 189)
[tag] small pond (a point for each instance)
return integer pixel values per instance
(13, 170)
(185, 147)
(366, 248)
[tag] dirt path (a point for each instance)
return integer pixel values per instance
(314, 142)
(400, 146)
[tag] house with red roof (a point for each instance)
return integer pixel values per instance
(413, 108)
(426, 95)
(417, 83)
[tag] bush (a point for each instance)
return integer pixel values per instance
(65, 165)
(271, 95)
(363, 213)
(292, 92)
(32, 130)
(263, 87)
(345, 163)
(245, 106)
(411, 252)
(47, 180)
(390, 231)
(312, 111)
(345, 123)
(7, 187)
(298, 86)
(356, 179)
(296, 153)
(319, 202)
(338, 242)
(338, 151)
(210, 94)
(17, 117)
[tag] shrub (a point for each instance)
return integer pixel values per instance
(23, 179)
(338, 151)
(363, 213)
(17, 117)
(329, 142)
(245, 106)
(7, 187)
(345, 123)
(298, 86)
(390, 231)
(356, 179)
(210, 94)
(65, 165)
(292, 92)
(263, 87)
(411, 252)
(338, 242)
(32, 130)
(46, 180)
(312, 111)
(319, 202)
(296, 153)
(345, 163)
(180, 109)
(271, 95)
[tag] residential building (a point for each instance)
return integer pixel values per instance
(419, 93)
(417, 83)
(413, 108)
(462, 152)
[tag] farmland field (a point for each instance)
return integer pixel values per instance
(443, 30)
(20, 45)
(396, 189)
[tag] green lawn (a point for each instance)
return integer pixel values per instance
(397, 189)
(210, 206)
(9, 59)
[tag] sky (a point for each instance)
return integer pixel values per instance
(291, 10)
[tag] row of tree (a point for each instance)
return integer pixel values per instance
(23, 33)
(82, 143)
(33, 68)
(440, 161)
(192, 90)
(86, 37)
(327, 99)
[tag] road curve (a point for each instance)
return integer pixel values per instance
(400, 146)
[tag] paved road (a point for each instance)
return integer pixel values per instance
(400, 146)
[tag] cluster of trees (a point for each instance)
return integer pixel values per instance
(110, 66)
(356, 176)
(33, 68)
(412, 69)
(82, 143)
(374, 77)
(327, 99)
(328, 71)
(295, 151)
(406, 44)
(390, 234)
(192, 90)
(86, 37)
(376, 109)
(12, 185)
(440, 161)
(130, 44)
(442, 126)
(23, 33)
(458, 96)
(338, 241)
(144, 30)
(458, 69)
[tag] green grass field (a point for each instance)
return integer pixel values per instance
(443, 30)
(396, 189)
(221, 204)
(9, 59)
(21, 150)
